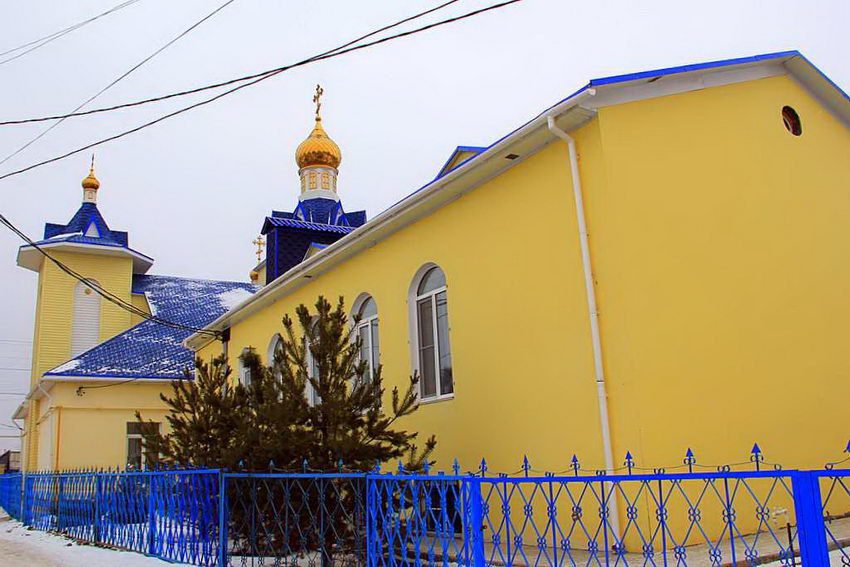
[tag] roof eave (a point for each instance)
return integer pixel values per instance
(30, 258)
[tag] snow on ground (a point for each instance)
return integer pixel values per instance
(20, 547)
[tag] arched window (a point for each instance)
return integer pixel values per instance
(274, 345)
(433, 354)
(85, 325)
(367, 332)
(244, 371)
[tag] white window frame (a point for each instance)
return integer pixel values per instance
(273, 345)
(313, 398)
(413, 307)
(144, 451)
(244, 371)
(367, 323)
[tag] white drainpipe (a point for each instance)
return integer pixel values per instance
(592, 309)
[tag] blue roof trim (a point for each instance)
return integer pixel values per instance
(824, 76)
(88, 240)
(690, 68)
(149, 350)
(318, 245)
(457, 150)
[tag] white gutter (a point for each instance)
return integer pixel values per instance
(593, 312)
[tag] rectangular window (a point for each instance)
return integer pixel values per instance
(427, 366)
(136, 452)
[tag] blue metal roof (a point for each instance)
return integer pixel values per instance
(150, 350)
(295, 223)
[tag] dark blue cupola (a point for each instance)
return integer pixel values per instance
(319, 218)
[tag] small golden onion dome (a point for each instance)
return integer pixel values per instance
(254, 275)
(318, 149)
(91, 182)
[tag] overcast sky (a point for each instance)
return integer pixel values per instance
(193, 191)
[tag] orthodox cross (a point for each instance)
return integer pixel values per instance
(259, 243)
(317, 98)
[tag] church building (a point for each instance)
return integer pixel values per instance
(656, 263)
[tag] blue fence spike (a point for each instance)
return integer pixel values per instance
(304, 465)
(400, 467)
(690, 460)
(271, 465)
(630, 461)
(574, 464)
(482, 468)
(456, 467)
(339, 465)
(377, 468)
(426, 467)
(757, 456)
(526, 466)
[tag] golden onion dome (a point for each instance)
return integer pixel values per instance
(318, 150)
(91, 182)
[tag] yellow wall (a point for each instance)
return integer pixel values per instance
(515, 297)
(92, 429)
(720, 245)
(52, 335)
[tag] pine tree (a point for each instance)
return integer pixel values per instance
(347, 423)
(270, 419)
(204, 412)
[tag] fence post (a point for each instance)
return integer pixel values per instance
(152, 514)
(222, 519)
(24, 498)
(97, 507)
(476, 520)
(61, 486)
(370, 521)
(808, 507)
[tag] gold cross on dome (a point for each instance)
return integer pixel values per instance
(317, 98)
(259, 243)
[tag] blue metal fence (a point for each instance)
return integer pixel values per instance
(478, 519)
(172, 515)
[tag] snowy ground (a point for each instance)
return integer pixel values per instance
(20, 547)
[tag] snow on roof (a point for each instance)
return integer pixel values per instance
(150, 349)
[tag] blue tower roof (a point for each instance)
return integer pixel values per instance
(87, 229)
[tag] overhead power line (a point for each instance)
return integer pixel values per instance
(42, 41)
(120, 78)
(270, 72)
(263, 76)
(106, 294)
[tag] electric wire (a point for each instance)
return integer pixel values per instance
(255, 81)
(109, 296)
(274, 71)
(41, 42)
(119, 79)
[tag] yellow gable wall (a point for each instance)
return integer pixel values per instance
(52, 335)
(139, 301)
(721, 250)
(516, 300)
